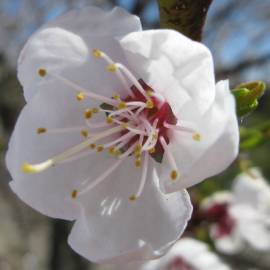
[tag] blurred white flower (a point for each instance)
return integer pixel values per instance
(154, 106)
(186, 254)
(246, 211)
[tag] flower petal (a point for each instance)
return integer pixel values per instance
(229, 244)
(64, 47)
(49, 191)
(186, 249)
(252, 225)
(174, 65)
(252, 189)
(116, 229)
(217, 149)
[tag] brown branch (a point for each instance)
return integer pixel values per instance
(185, 16)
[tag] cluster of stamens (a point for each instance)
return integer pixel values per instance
(141, 119)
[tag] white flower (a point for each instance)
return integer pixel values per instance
(186, 254)
(248, 208)
(93, 81)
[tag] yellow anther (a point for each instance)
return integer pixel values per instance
(112, 150)
(149, 93)
(149, 104)
(174, 175)
(95, 110)
(138, 162)
(138, 148)
(109, 120)
(137, 154)
(117, 152)
(84, 133)
(28, 168)
(42, 72)
(111, 68)
(88, 113)
(97, 53)
(122, 105)
(37, 168)
(152, 150)
(41, 130)
(133, 198)
(92, 146)
(155, 136)
(80, 96)
(100, 148)
(116, 97)
(124, 125)
(196, 137)
(74, 194)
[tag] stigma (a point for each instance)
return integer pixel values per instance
(136, 125)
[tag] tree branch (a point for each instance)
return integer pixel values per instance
(185, 16)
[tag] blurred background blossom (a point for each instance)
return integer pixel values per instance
(237, 34)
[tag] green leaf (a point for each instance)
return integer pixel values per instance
(251, 138)
(247, 96)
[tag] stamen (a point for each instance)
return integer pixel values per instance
(74, 194)
(100, 148)
(29, 168)
(122, 138)
(196, 137)
(41, 130)
(80, 96)
(111, 68)
(174, 175)
(125, 113)
(149, 104)
(60, 130)
(100, 178)
(136, 103)
(42, 72)
(174, 172)
(117, 97)
(97, 53)
(132, 78)
(139, 110)
(122, 105)
(84, 133)
(143, 179)
(97, 125)
(92, 146)
(128, 127)
(138, 163)
(86, 92)
(133, 198)
(152, 135)
(111, 150)
(109, 120)
(100, 54)
(178, 128)
(138, 154)
(95, 110)
(36, 168)
(88, 113)
(80, 155)
(121, 145)
(128, 152)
